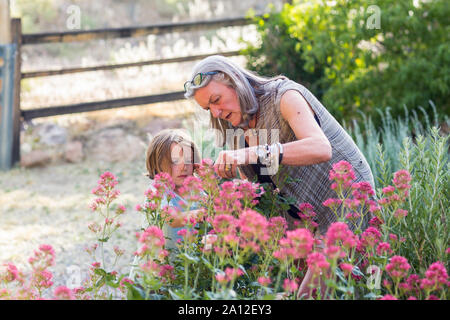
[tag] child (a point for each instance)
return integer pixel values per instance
(171, 151)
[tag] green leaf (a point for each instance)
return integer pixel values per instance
(189, 258)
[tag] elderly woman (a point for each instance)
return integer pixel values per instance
(287, 132)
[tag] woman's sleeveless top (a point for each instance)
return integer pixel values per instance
(311, 183)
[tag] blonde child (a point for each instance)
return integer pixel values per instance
(172, 151)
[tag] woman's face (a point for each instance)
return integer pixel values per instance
(181, 165)
(221, 100)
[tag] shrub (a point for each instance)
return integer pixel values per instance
(338, 52)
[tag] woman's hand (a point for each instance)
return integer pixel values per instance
(227, 162)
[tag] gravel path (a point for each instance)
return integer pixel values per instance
(50, 206)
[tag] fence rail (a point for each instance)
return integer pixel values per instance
(46, 73)
(131, 32)
(19, 39)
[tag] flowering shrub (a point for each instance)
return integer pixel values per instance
(229, 250)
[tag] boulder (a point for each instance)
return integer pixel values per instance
(51, 134)
(36, 158)
(73, 152)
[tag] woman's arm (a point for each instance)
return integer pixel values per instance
(312, 146)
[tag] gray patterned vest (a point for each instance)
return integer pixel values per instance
(314, 185)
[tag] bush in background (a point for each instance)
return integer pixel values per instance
(354, 62)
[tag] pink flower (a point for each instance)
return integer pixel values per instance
(249, 191)
(369, 238)
(277, 227)
(343, 175)
(224, 224)
(398, 267)
(264, 281)
(347, 268)
(383, 248)
(42, 279)
(153, 241)
(182, 232)
(317, 263)
(400, 213)
(191, 189)
(11, 273)
(233, 273)
(389, 190)
(119, 252)
(43, 258)
(333, 204)
(401, 180)
(352, 204)
(120, 209)
(253, 226)
(388, 297)
(163, 181)
(290, 285)
(63, 293)
(376, 222)
(208, 240)
(297, 244)
(123, 282)
(221, 278)
(167, 272)
(362, 190)
(436, 277)
(334, 252)
(339, 234)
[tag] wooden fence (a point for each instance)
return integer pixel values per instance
(20, 40)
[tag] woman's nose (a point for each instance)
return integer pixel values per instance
(216, 113)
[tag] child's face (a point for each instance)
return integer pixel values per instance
(182, 163)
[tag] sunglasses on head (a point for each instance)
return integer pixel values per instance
(198, 79)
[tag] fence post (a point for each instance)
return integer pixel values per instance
(7, 68)
(16, 37)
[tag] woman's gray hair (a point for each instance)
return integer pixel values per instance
(248, 86)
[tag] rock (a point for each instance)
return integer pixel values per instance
(36, 158)
(73, 152)
(51, 134)
(115, 145)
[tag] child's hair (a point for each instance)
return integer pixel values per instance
(158, 151)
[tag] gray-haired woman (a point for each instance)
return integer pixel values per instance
(282, 123)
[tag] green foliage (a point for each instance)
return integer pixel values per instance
(426, 226)
(424, 153)
(360, 62)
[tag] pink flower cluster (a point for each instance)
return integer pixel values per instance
(398, 267)
(297, 244)
(230, 275)
(342, 174)
(105, 190)
(152, 240)
(436, 277)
